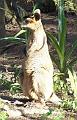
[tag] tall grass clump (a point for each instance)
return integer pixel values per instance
(64, 60)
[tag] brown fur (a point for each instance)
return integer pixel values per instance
(37, 82)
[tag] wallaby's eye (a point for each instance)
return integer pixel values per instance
(28, 20)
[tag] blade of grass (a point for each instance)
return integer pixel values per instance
(55, 61)
(55, 43)
(62, 32)
(61, 25)
(13, 39)
(72, 62)
(70, 51)
(20, 32)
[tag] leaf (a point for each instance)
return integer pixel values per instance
(34, 8)
(62, 32)
(61, 26)
(55, 61)
(70, 51)
(19, 33)
(13, 39)
(54, 41)
(58, 50)
(73, 80)
(72, 62)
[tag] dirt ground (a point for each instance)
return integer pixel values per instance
(18, 107)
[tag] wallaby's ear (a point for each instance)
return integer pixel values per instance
(37, 14)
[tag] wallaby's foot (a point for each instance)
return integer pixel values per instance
(55, 99)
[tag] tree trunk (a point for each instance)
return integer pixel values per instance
(2, 19)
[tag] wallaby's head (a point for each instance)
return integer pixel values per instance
(34, 21)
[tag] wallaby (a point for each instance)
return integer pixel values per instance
(37, 82)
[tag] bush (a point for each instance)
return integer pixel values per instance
(69, 5)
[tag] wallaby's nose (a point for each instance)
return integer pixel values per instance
(23, 25)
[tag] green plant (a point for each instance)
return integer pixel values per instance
(3, 115)
(59, 43)
(17, 39)
(15, 88)
(45, 116)
(20, 37)
(63, 61)
(59, 86)
(69, 6)
(72, 78)
(56, 114)
(69, 104)
(9, 85)
(16, 72)
(4, 81)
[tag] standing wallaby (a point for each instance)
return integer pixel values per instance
(37, 82)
